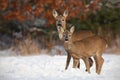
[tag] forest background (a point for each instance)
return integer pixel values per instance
(28, 25)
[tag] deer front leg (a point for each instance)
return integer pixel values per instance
(90, 62)
(96, 62)
(87, 64)
(68, 60)
(75, 62)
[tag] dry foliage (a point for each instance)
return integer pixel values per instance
(31, 9)
(27, 47)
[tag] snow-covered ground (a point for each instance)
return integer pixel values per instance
(44, 67)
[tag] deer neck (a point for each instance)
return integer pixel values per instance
(68, 45)
(64, 26)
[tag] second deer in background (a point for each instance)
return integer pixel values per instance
(61, 22)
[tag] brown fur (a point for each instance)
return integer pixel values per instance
(80, 35)
(85, 48)
(61, 19)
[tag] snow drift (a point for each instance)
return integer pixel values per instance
(44, 67)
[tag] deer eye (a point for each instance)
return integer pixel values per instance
(62, 19)
(64, 35)
(69, 35)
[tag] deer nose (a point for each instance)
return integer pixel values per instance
(59, 24)
(66, 38)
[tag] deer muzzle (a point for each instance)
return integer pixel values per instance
(66, 38)
(59, 24)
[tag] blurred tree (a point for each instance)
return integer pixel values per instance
(27, 13)
(105, 22)
(32, 9)
(96, 15)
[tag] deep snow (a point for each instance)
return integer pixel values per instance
(44, 67)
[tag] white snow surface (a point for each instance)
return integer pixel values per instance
(45, 67)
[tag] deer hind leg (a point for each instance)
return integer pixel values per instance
(75, 62)
(78, 65)
(91, 62)
(100, 64)
(68, 60)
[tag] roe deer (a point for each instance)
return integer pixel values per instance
(61, 22)
(85, 48)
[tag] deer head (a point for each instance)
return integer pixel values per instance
(67, 35)
(60, 21)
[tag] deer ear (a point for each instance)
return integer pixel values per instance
(72, 29)
(55, 14)
(65, 14)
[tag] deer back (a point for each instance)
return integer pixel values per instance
(90, 45)
(79, 35)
